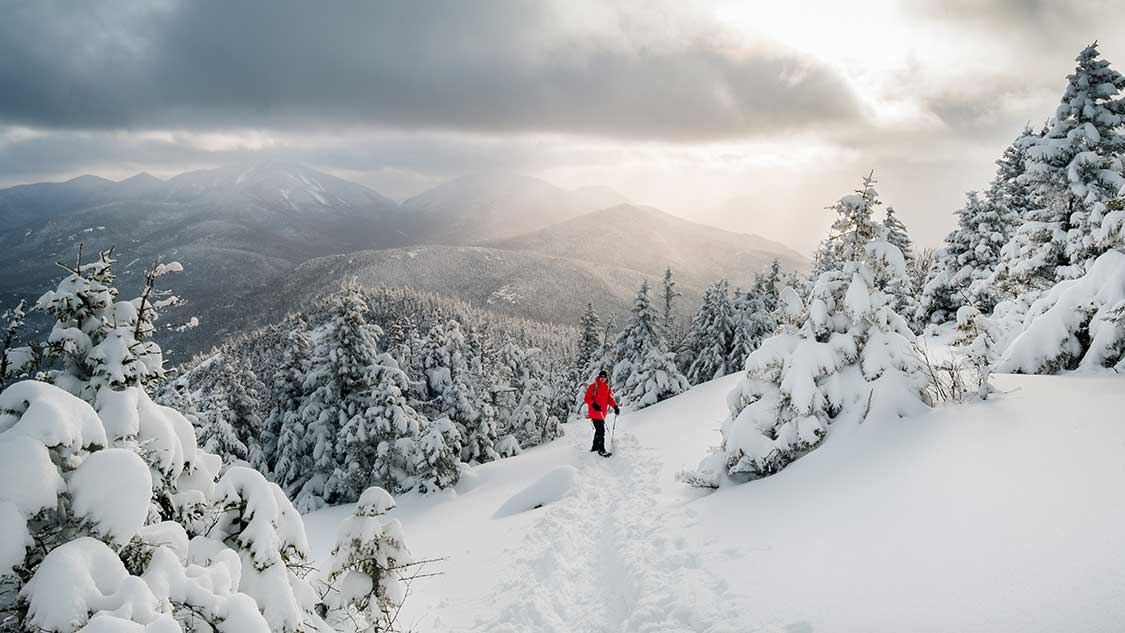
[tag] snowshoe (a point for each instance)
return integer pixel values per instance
(605, 453)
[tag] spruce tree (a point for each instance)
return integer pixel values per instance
(897, 234)
(1073, 171)
(964, 271)
(712, 335)
(98, 341)
(15, 361)
(354, 412)
(753, 322)
(644, 372)
(847, 353)
(459, 394)
(671, 336)
(439, 456)
(286, 445)
(231, 427)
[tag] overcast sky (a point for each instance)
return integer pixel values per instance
(748, 115)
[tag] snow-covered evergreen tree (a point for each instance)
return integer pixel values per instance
(964, 271)
(286, 446)
(590, 343)
(439, 456)
(98, 341)
(847, 354)
(669, 294)
(753, 321)
(854, 226)
(1076, 324)
(354, 411)
(231, 427)
(15, 361)
(897, 234)
(1007, 190)
(458, 394)
(644, 372)
(711, 337)
(1073, 171)
(767, 286)
(114, 516)
(587, 360)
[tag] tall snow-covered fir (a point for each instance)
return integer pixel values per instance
(643, 372)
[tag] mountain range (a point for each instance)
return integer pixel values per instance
(262, 240)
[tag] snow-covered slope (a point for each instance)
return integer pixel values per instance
(995, 516)
(648, 240)
(523, 284)
(232, 228)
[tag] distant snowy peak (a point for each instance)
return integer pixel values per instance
(275, 183)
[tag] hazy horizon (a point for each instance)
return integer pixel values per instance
(748, 117)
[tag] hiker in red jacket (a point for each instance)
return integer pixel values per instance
(599, 399)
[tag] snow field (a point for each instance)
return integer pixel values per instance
(993, 516)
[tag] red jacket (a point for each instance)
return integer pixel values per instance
(600, 393)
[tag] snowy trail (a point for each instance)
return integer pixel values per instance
(600, 560)
(614, 555)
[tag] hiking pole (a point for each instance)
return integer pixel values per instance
(611, 430)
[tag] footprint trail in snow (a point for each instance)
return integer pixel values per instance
(599, 560)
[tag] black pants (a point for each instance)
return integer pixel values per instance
(599, 435)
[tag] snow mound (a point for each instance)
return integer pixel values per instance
(552, 487)
(1075, 325)
(104, 490)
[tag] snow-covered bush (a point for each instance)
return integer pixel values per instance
(1077, 324)
(363, 584)
(15, 361)
(87, 534)
(844, 354)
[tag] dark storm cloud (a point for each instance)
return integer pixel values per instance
(482, 66)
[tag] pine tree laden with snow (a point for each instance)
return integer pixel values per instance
(644, 373)
(456, 392)
(286, 445)
(98, 341)
(897, 234)
(15, 361)
(354, 412)
(845, 355)
(438, 456)
(753, 323)
(1073, 171)
(82, 543)
(232, 428)
(711, 337)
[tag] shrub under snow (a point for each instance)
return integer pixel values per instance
(93, 537)
(1077, 324)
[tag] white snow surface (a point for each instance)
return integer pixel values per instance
(992, 516)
